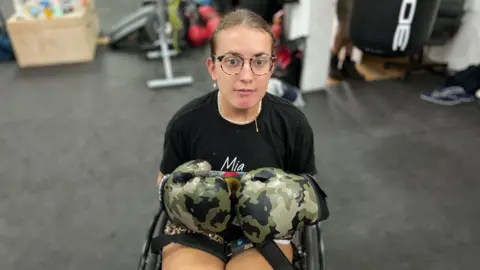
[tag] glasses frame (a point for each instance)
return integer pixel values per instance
(221, 57)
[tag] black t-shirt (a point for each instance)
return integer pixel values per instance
(197, 131)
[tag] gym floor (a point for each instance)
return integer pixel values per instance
(80, 147)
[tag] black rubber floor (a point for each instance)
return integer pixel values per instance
(402, 176)
(80, 147)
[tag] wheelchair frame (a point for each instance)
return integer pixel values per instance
(308, 244)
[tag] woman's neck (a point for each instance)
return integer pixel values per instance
(240, 116)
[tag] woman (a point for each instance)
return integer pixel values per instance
(238, 127)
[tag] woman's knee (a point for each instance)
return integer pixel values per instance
(179, 257)
(251, 259)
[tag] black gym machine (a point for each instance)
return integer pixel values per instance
(164, 29)
(138, 31)
(155, 28)
(403, 28)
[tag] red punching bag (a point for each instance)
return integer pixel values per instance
(277, 24)
(392, 27)
(212, 25)
(211, 17)
(197, 33)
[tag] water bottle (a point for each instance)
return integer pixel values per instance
(47, 8)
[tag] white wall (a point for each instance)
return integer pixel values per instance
(312, 19)
(316, 20)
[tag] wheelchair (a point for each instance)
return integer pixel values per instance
(308, 245)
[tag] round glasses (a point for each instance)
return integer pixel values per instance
(232, 64)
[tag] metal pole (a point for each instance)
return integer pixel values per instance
(167, 64)
(169, 80)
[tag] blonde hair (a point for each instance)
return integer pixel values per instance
(240, 16)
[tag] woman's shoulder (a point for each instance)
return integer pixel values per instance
(194, 106)
(192, 110)
(285, 109)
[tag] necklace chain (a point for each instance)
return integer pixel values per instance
(237, 122)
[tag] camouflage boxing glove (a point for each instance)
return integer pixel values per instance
(198, 201)
(271, 204)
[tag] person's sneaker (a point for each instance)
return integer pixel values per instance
(446, 91)
(334, 72)
(349, 70)
(448, 96)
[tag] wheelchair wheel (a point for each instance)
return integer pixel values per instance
(309, 249)
(154, 262)
(315, 248)
(323, 255)
(149, 260)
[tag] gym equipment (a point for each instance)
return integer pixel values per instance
(277, 26)
(197, 32)
(137, 30)
(165, 54)
(397, 28)
(309, 248)
(211, 18)
(447, 23)
(174, 29)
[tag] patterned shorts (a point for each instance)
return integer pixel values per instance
(175, 229)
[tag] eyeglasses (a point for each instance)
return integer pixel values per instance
(232, 64)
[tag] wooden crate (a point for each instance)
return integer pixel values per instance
(63, 40)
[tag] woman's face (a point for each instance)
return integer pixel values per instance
(242, 87)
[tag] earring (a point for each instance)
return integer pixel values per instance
(215, 85)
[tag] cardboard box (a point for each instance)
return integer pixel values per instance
(63, 40)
